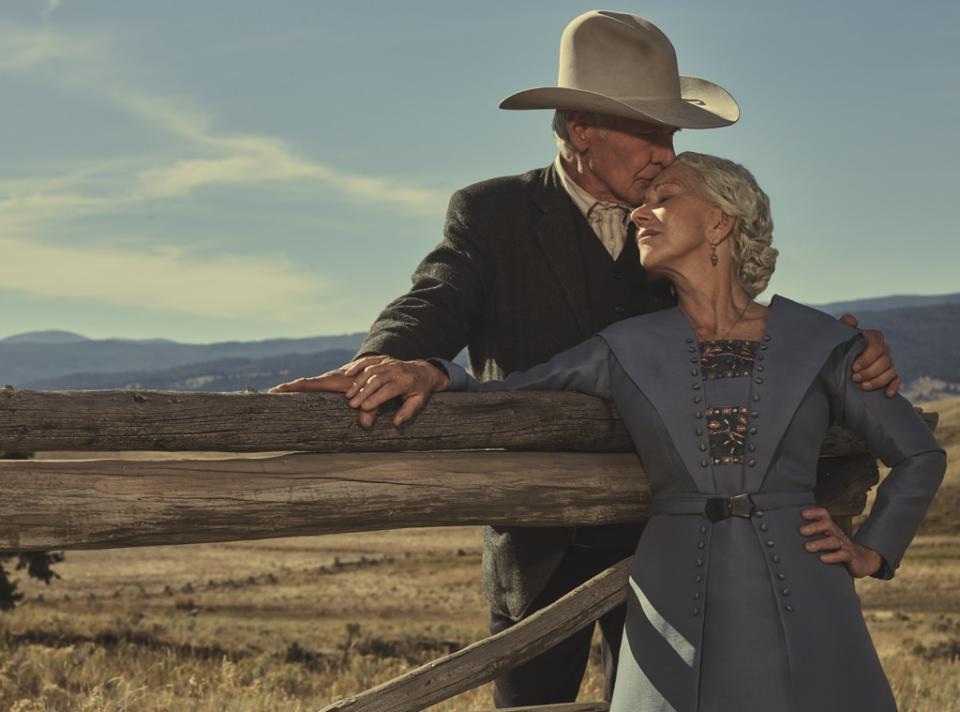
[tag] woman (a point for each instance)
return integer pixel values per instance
(741, 590)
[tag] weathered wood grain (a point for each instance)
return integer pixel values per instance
(318, 422)
(93, 504)
(486, 659)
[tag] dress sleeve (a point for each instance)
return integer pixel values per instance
(896, 434)
(584, 368)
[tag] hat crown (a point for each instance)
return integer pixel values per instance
(618, 55)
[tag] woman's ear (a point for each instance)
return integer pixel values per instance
(723, 224)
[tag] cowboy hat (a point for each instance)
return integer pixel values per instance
(622, 65)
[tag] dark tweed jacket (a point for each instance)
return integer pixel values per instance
(507, 281)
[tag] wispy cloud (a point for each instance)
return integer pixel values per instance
(224, 158)
(166, 279)
(36, 213)
(23, 47)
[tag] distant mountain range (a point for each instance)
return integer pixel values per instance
(924, 332)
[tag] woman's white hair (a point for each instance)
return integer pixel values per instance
(735, 191)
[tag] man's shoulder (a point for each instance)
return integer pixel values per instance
(507, 187)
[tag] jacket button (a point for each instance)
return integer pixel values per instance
(785, 592)
(692, 349)
(699, 414)
(699, 562)
(776, 558)
(756, 397)
(763, 347)
(751, 447)
(694, 359)
(782, 577)
(699, 544)
(689, 339)
(697, 399)
(758, 379)
(754, 414)
(694, 372)
(760, 357)
(703, 447)
(771, 542)
(766, 337)
(764, 527)
(699, 431)
(704, 462)
(753, 430)
(788, 608)
(751, 463)
(618, 309)
(696, 596)
(703, 529)
(758, 513)
(696, 386)
(696, 611)
(759, 366)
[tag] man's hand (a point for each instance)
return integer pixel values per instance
(860, 560)
(335, 381)
(376, 383)
(874, 368)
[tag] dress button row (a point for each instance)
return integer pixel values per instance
(775, 558)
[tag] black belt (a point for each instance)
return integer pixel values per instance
(745, 504)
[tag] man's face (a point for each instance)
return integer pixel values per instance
(625, 156)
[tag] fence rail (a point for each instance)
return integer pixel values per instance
(529, 459)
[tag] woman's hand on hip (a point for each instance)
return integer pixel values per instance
(376, 383)
(836, 546)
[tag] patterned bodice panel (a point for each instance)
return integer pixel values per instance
(726, 366)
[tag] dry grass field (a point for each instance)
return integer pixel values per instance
(293, 624)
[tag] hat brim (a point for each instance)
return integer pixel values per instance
(702, 104)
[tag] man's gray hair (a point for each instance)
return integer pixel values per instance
(734, 189)
(560, 135)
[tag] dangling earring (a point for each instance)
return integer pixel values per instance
(713, 247)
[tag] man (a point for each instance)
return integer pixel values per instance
(531, 265)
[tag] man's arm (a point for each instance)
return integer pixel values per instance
(435, 318)
(874, 368)
(445, 304)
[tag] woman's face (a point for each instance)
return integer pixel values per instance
(675, 221)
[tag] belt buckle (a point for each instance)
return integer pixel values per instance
(738, 505)
(741, 505)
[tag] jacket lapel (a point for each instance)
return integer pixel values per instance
(556, 232)
(659, 353)
(797, 342)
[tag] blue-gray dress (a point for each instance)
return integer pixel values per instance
(731, 613)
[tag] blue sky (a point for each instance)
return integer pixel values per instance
(210, 171)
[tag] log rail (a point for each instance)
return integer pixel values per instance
(297, 464)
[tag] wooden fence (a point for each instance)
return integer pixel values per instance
(529, 459)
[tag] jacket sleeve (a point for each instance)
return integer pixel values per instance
(585, 368)
(445, 304)
(896, 434)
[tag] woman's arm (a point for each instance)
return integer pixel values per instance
(896, 434)
(585, 368)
